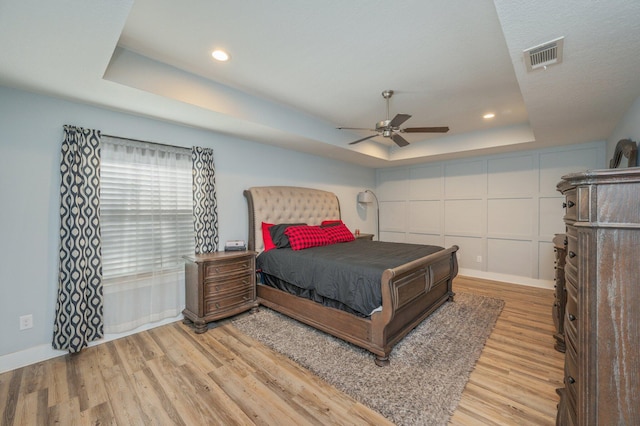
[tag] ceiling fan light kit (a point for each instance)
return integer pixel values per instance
(390, 128)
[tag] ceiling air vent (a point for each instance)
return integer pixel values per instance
(543, 55)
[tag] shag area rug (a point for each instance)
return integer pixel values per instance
(429, 367)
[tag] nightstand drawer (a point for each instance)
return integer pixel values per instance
(229, 301)
(229, 266)
(220, 287)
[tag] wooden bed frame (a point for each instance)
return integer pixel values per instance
(410, 292)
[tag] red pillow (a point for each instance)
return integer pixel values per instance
(266, 237)
(302, 237)
(339, 233)
(331, 222)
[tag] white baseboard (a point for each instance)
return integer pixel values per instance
(511, 279)
(44, 352)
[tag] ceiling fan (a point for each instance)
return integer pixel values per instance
(390, 128)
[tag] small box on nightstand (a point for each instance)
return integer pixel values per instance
(364, 236)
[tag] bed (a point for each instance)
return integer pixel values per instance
(409, 292)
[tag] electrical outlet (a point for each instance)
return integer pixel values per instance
(479, 259)
(26, 321)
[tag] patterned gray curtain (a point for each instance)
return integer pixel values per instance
(79, 313)
(205, 206)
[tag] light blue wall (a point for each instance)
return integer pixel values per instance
(30, 138)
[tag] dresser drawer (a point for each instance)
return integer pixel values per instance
(559, 278)
(228, 266)
(572, 251)
(571, 316)
(571, 275)
(215, 304)
(570, 212)
(571, 377)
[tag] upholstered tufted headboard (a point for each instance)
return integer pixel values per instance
(287, 204)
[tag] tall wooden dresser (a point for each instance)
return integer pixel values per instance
(602, 318)
(560, 294)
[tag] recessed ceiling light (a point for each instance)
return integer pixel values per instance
(488, 116)
(220, 55)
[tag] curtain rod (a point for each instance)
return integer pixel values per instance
(141, 141)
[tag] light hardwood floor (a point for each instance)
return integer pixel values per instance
(515, 379)
(169, 375)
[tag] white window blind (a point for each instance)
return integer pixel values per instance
(146, 216)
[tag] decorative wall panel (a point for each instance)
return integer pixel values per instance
(510, 217)
(428, 239)
(555, 164)
(511, 257)
(510, 176)
(464, 217)
(466, 179)
(425, 183)
(393, 185)
(424, 216)
(393, 216)
(550, 218)
(503, 209)
(545, 258)
(470, 249)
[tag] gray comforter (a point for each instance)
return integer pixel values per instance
(346, 272)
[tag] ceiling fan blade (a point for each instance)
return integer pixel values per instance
(363, 139)
(399, 140)
(425, 130)
(399, 119)
(355, 128)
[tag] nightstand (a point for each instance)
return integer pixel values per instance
(364, 236)
(218, 285)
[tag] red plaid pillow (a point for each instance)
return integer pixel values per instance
(339, 233)
(302, 237)
(266, 237)
(330, 222)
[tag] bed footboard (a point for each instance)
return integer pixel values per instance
(410, 293)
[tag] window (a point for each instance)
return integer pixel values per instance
(146, 214)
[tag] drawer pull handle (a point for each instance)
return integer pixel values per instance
(217, 305)
(566, 241)
(564, 205)
(571, 380)
(217, 288)
(217, 269)
(572, 317)
(572, 254)
(571, 204)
